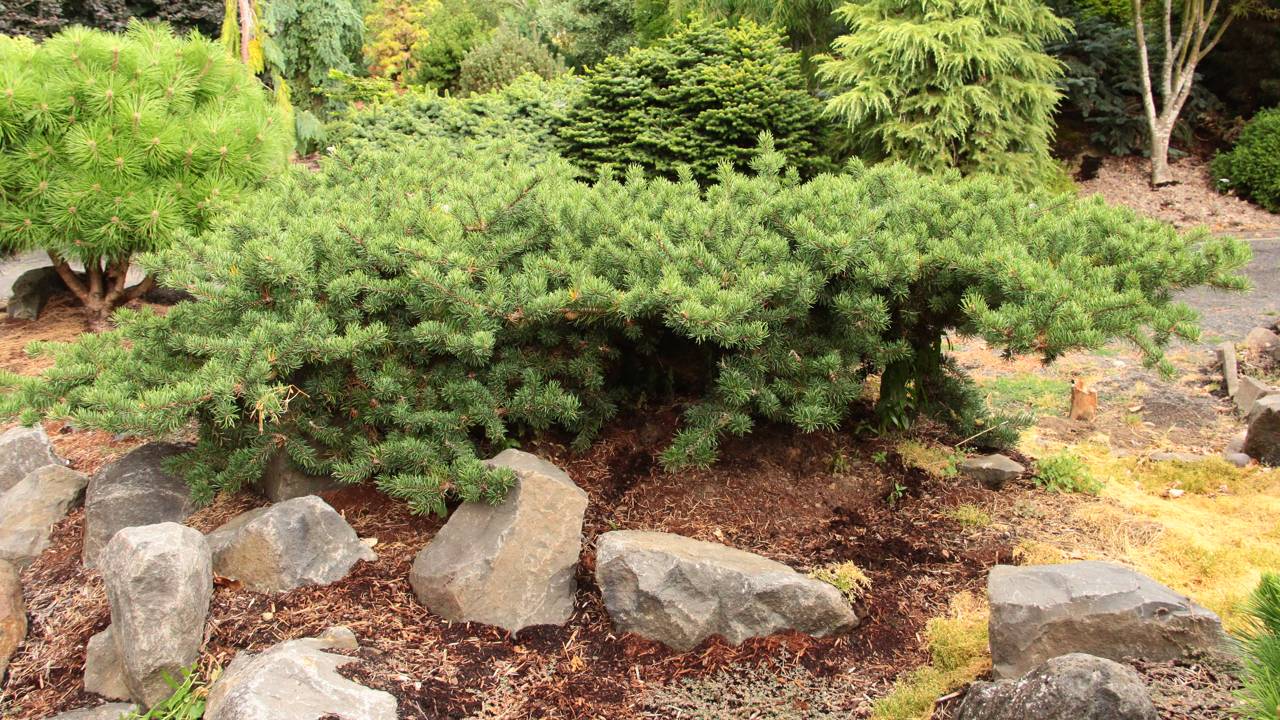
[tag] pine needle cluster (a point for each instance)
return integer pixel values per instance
(942, 84)
(402, 313)
(112, 145)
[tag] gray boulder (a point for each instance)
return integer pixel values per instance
(1071, 687)
(30, 509)
(282, 481)
(1039, 612)
(1263, 441)
(287, 545)
(511, 565)
(1249, 393)
(132, 491)
(110, 711)
(104, 668)
(993, 471)
(32, 290)
(679, 591)
(296, 680)
(13, 615)
(23, 450)
(159, 581)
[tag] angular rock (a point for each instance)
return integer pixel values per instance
(23, 450)
(1039, 612)
(32, 290)
(1249, 393)
(282, 481)
(680, 591)
(133, 491)
(159, 581)
(296, 680)
(1070, 687)
(1182, 457)
(511, 565)
(13, 615)
(1262, 343)
(284, 546)
(104, 668)
(993, 471)
(1230, 369)
(110, 711)
(1263, 441)
(30, 509)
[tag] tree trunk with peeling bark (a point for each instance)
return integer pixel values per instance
(102, 288)
(1184, 48)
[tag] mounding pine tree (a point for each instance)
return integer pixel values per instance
(113, 145)
(406, 311)
(941, 84)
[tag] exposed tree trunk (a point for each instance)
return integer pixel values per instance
(102, 288)
(246, 29)
(1184, 48)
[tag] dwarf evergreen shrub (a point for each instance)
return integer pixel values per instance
(1260, 643)
(697, 98)
(960, 84)
(406, 311)
(1252, 167)
(497, 62)
(111, 145)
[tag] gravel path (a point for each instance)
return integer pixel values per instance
(1229, 316)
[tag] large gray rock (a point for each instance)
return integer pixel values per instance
(32, 290)
(287, 545)
(993, 471)
(13, 615)
(1263, 441)
(513, 564)
(110, 711)
(1071, 687)
(23, 450)
(30, 509)
(132, 491)
(159, 582)
(1039, 612)
(680, 591)
(296, 680)
(1249, 393)
(104, 668)
(282, 481)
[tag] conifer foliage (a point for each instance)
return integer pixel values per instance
(405, 311)
(112, 145)
(950, 83)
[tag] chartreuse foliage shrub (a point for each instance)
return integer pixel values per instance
(111, 145)
(405, 311)
(1252, 167)
(960, 84)
(396, 33)
(697, 98)
(1260, 643)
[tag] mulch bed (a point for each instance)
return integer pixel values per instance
(772, 493)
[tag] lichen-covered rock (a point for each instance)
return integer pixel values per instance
(993, 471)
(680, 591)
(23, 450)
(13, 615)
(282, 481)
(511, 565)
(104, 668)
(133, 491)
(30, 509)
(296, 680)
(159, 581)
(110, 711)
(280, 547)
(1263, 441)
(1070, 687)
(1040, 612)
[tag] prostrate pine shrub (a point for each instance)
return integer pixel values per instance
(960, 84)
(112, 145)
(1252, 167)
(1260, 643)
(404, 312)
(698, 98)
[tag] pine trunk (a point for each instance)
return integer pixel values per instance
(101, 289)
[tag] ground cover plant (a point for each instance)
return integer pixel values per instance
(110, 145)
(374, 332)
